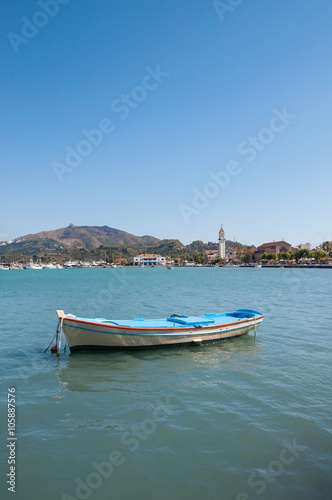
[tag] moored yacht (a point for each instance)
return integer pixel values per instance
(31, 265)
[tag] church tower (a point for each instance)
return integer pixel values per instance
(222, 244)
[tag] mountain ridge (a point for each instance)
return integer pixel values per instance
(91, 238)
(87, 237)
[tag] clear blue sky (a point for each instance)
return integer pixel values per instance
(188, 90)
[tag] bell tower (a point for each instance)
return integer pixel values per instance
(222, 243)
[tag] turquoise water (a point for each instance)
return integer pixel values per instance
(241, 419)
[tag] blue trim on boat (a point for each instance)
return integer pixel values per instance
(165, 323)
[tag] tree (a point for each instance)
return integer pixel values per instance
(285, 255)
(199, 258)
(269, 256)
(218, 261)
(327, 246)
(319, 254)
(299, 254)
(248, 257)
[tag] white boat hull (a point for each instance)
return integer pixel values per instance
(90, 335)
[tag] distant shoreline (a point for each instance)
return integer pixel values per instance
(277, 266)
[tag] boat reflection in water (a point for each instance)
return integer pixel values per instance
(131, 371)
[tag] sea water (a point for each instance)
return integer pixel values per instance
(241, 419)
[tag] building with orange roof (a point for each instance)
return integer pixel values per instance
(211, 255)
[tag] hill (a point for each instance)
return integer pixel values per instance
(86, 237)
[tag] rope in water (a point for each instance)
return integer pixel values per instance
(60, 331)
(51, 342)
(57, 335)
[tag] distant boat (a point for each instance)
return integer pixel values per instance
(49, 266)
(69, 264)
(99, 333)
(170, 268)
(4, 268)
(16, 267)
(31, 265)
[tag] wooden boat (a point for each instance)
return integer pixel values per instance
(175, 331)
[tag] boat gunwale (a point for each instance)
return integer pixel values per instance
(199, 328)
(174, 334)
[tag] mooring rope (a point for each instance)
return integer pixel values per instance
(57, 335)
(51, 342)
(60, 331)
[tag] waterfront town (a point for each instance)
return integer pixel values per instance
(270, 254)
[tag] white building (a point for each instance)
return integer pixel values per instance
(149, 259)
(304, 246)
(222, 244)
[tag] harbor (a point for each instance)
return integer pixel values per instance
(223, 253)
(20, 266)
